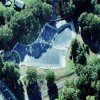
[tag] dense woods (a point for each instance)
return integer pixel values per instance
(15, 26)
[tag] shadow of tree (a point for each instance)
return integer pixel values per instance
(34, 92)
(91, 43)
(52, 91)
(18, 91)
(3, 2)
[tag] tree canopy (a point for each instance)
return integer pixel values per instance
(31, 75)
(66, 8)
(69, 92)
(90, 25)
(97, 9)
(20, 26)
(50, 76)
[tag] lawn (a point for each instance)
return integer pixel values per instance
(61, 72)
(27, 1)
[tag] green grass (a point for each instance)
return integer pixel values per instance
(70, 67)
(27, 1)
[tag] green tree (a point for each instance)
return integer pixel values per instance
(6, 36)
(47, 1)
(98, 90)
(66, 8)
(41, 10)
(90, 98)
(46, 11)
(84, 5)
(29, 21)
(90, 26)
(69, 91)
(68, 94)
(86, 81)
(74, 47)
(8, 14)
(2, 19)
(10, 72)
(50, 76)
(1, 64)
(31, 75)
(81, 57)
(78, 69)
(86, 48)
(97, 9)
(93, 2)
(10, 75)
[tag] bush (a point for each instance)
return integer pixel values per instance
(31, 75)
(50, 76)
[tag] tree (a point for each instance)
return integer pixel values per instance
(2, 19)
(1, 64)
(69, 91)
(84, 5)
(78, 52)
(98, 1)
(78, 69)
(66, 8)
(50, 76)
(98, 90)
(90, 98)
(74, 48)
(10, 72)
(6, 36)
(29, 21)
(31, 75)
(97, 9)
(81, 57)
(98, 71)
(68, 94)
(10, 75)
(21, 25)
(46, 11)
(52, 87)
(32, 86)
(41, 10)
(47, 1)
(86, 80)
(87, 49)
(8, 14)
(90, 26)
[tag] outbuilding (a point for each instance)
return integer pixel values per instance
(19, 4)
